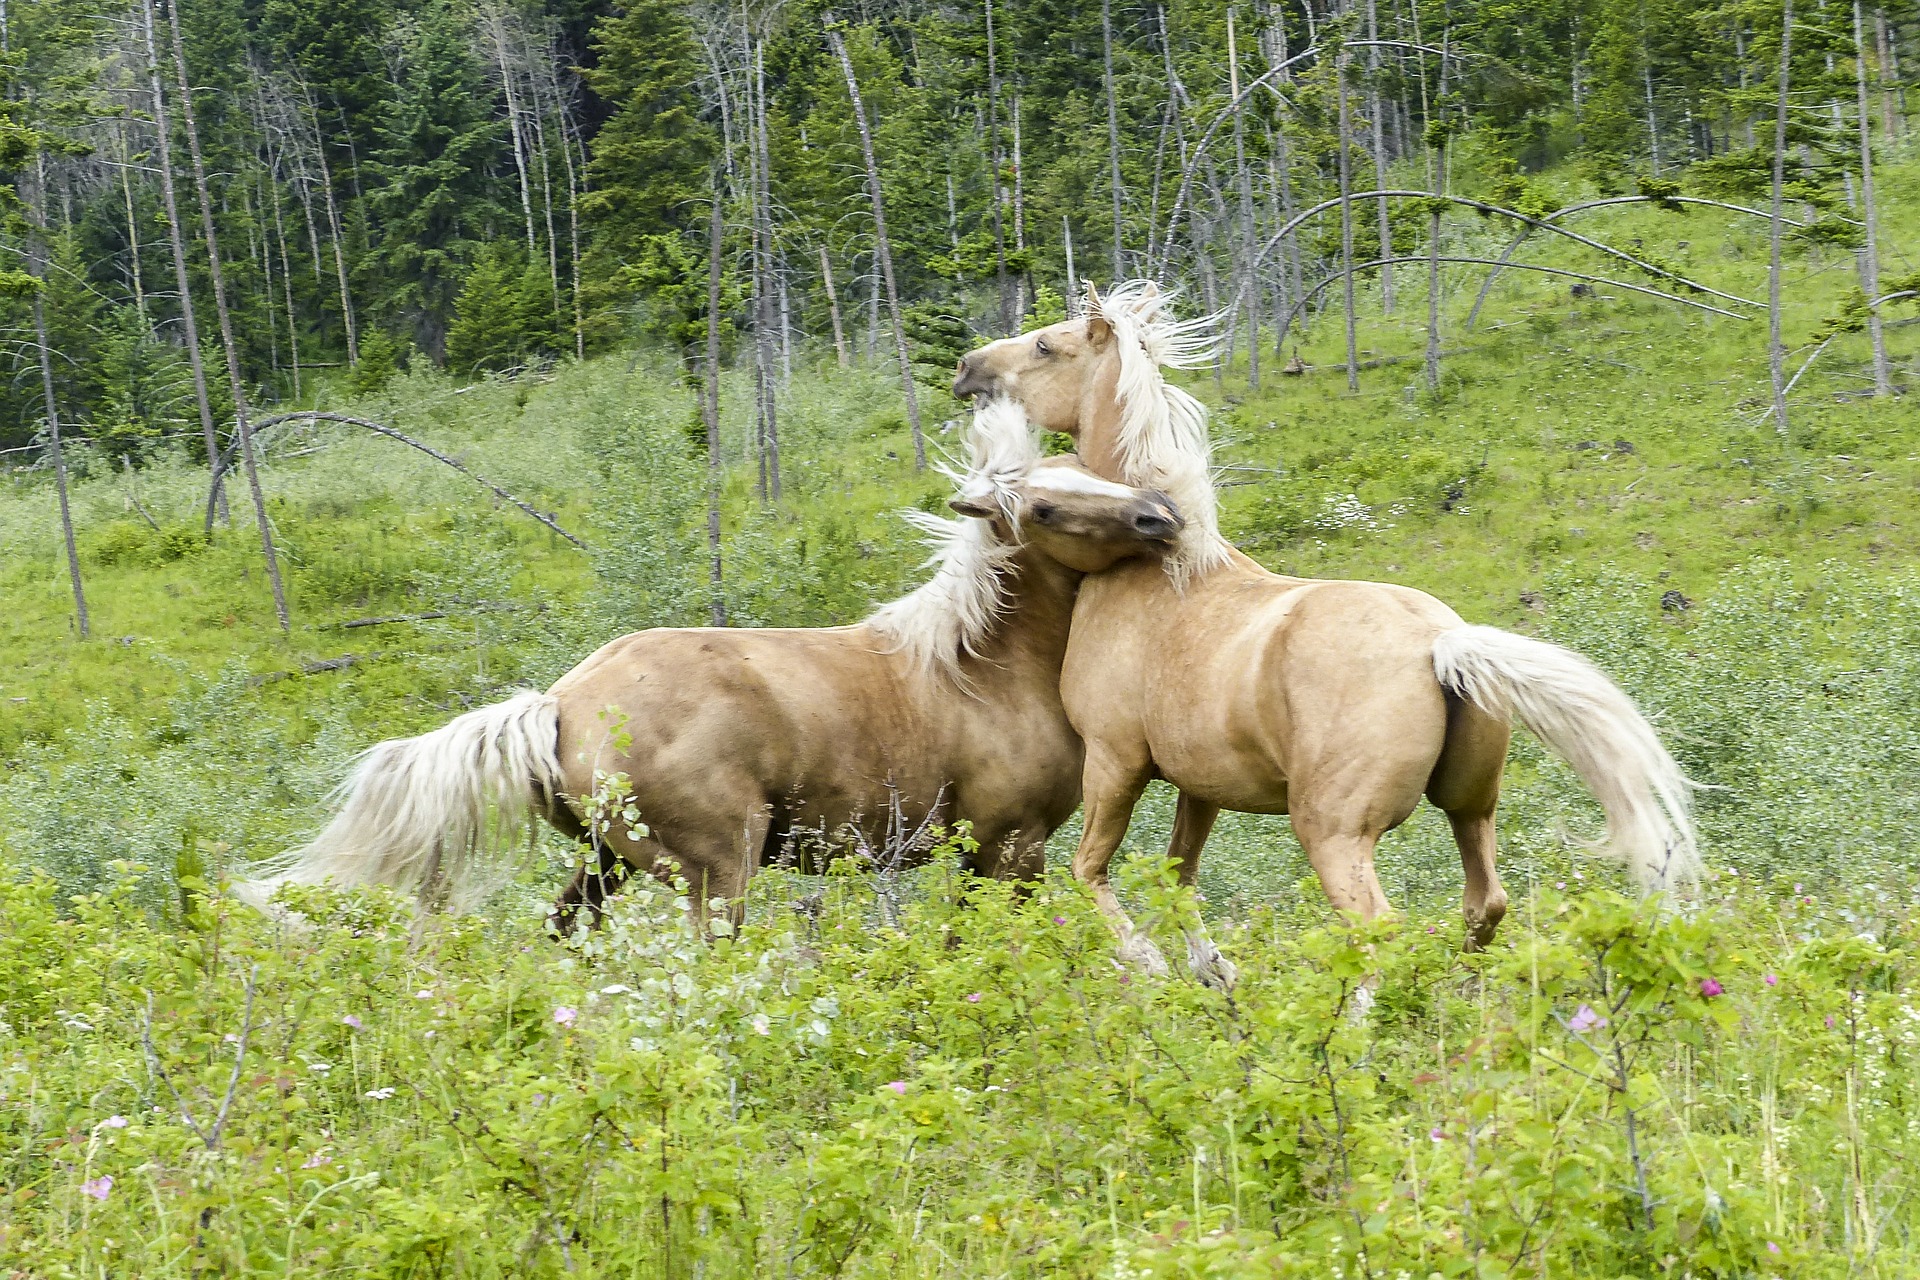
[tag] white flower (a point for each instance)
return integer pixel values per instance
(617, 989)
(380, 1095)
(320, 1068)
(761, 1024)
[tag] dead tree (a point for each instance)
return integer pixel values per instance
(839, 47)
(1870, 249)
(1776, 349)
(215, 270)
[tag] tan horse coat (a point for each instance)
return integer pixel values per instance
(1338, 703)
(735, 745)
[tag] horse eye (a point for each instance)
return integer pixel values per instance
(1041, 348)
(1043, 511)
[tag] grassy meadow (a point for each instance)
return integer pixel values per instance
(1612, 1090)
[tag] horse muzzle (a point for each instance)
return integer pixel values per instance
(970, 379)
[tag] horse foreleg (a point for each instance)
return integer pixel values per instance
(1192, 824)
(1111, 790)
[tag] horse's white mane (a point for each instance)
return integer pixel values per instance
(1163, 440)
(953, 613)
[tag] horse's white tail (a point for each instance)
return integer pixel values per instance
(1585, 718)
(434, 815)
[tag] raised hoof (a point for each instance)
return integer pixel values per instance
(1140, 952)
(1215, 971)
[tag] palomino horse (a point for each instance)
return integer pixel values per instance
(705, 750)
(1337, 703)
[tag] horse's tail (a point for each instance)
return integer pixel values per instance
(1591, 724)
(435, 815)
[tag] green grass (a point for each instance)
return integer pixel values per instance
(188, 736)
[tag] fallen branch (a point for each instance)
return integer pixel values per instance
(1482, 206)
(1827, 341)
(1486, 288)
(1287, 323)
(227, 460)
(315, 668)
(483, 606)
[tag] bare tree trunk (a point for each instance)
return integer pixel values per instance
(1374, 109)
(133, 227)
(573, 236)
(1890, 122)
(1776, 349)
(1870, 249)
(993, 155)
(1346, 216)
(163, 149)
(333, 223)
(494, 23)
(1249, 234)
(763, 319)
(226, 322)
(1073, 280)
(840, 352)
(1113, 139)
(710, 406)
(1433, 300)
(286, 278)
(1024, 278)
(1653, 121)
(880, 240)
(37, 260)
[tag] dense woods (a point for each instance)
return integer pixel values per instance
(214, 203)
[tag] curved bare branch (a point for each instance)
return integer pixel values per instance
(231, 454)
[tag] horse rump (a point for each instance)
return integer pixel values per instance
(1589, 722)
(438, 815)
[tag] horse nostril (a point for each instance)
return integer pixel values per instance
(1154, 525)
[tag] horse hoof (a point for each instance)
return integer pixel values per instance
(1144, 956)
(1216, 971)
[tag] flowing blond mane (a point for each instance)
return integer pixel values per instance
(955, 612)
(1163, 440)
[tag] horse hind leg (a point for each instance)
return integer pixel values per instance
(1466, 786)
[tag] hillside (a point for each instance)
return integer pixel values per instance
(976, 1089)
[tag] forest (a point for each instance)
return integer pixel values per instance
(372, 363)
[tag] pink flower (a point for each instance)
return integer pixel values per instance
(1829, 1022)
(1771, 981)
(974, 998)
(1585, 1019)
(1437, 1134)
(114, 1122)
(317, 1159)
(898, 1086)
(565, 1014)
(1772, 1247)
(1059, 919)
(351, 1021)
(1710, 988)
(99, 1188)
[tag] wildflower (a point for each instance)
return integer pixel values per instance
(565, 1014)
(1059, 919)
(761, 1024)
(1584, 1019)
(381, 1094)
(320, 1068)
(973, 998)
(1771, 980)
(425, 993)
(1772, 1247)
(1433, 928)
(1710, 988)
(351, 1021)
(99, 1188)
(617, 989)
(1829, 1022)
(898, 1086)
(1559, 884)
(316, 1160)
(1437, 1134)
(114, 1122)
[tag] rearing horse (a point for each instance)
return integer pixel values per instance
(1337, 703)
(706, 751)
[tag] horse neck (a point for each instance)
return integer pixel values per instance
(1030, 642)
(1098, 436)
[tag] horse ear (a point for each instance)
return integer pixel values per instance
(972, 508)
(1098, 330)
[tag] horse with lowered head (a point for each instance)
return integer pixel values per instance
(1337, 703)
(704, 752)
